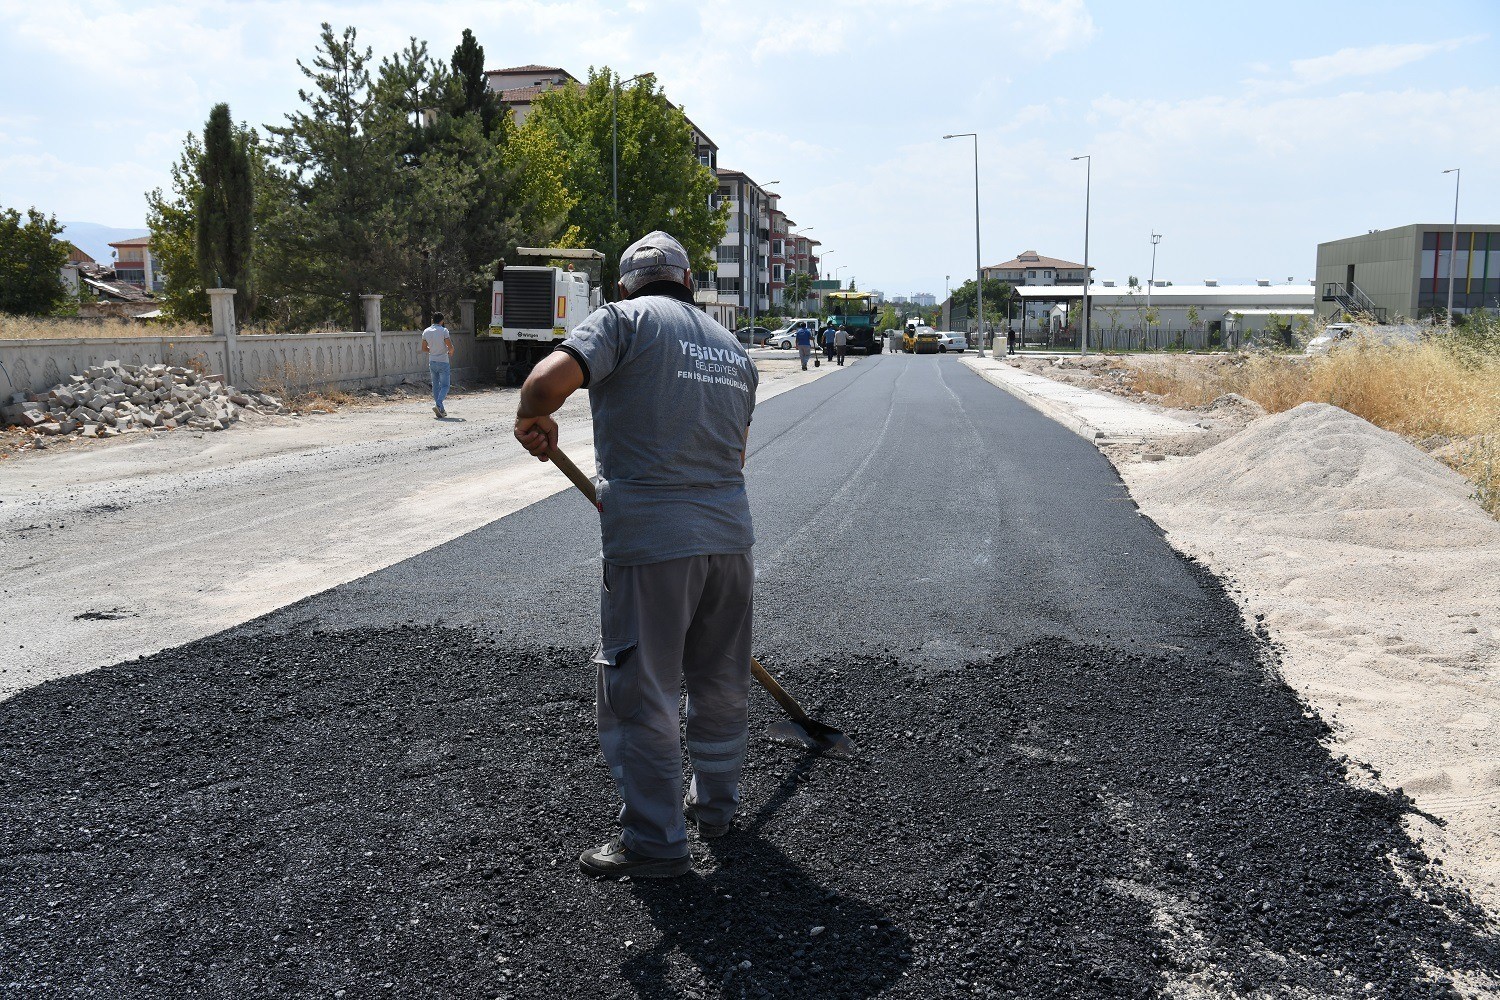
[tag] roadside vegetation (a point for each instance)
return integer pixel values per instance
(1442, 393)
(65, 328)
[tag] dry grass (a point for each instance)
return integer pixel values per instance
(1419, 391)
(294, 385)
(47, 328)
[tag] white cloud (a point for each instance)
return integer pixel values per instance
(1351, 63)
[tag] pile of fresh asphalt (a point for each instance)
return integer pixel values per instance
(1079, 774)
(395, 813)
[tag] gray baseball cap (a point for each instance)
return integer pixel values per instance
(655, 249)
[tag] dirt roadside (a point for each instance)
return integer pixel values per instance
(1371, 566)
(120, 548)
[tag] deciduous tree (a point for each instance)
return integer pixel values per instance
(661, 183)
(31, 260)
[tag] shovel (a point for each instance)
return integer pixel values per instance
(799, 728)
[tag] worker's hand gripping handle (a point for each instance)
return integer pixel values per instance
(584, 483)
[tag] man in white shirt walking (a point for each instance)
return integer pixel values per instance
(438, 346)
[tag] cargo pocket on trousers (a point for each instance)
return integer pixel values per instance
(619, 681)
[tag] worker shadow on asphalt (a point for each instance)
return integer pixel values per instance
(756, 922)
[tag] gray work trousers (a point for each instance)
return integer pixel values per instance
(662, 624)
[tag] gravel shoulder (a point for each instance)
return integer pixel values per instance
(121, 548)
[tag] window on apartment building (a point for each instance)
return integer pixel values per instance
(777, 248)
(1046, 274)
(728, 255)
(1031, 274)
(777, 274)
(706, 159)
(729, 286)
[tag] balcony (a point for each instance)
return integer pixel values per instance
(729, 269)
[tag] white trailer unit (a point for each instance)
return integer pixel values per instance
(534, 307)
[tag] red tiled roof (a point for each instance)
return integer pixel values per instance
(139, 241)
(522, 95)
(1030, 258)
(527, 69)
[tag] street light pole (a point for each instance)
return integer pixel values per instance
(1151, 282)
(1088, 183)
(614, 139)
(1453, 244)
(978, 267)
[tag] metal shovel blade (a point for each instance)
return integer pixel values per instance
(813, 735)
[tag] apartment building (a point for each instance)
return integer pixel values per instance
(519, 86)
(134, 264)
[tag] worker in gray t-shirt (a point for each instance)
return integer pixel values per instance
(672, 394)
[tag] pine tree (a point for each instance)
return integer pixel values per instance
(471, 91)
(226, 207)
(339, 157)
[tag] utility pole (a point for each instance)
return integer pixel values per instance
(1453, 245)
(1088, 183)
(978, 267)
(1151, 282)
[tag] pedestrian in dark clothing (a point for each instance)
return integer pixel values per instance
(826, 339)
(1010, 342)
(672, 392)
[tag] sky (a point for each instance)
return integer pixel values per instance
(1243, 133)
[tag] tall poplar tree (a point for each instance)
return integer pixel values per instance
(226, 209)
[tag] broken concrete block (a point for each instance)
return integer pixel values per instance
(89, 430)
(32, 418)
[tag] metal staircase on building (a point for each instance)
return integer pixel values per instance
(1353, 300)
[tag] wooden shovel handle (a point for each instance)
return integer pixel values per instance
(584, 483)
(783, 699)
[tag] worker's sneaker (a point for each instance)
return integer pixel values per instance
(707, 831)
(614, 860)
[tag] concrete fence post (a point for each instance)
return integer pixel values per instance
(371, 304)
(221, 309)
(466, 315)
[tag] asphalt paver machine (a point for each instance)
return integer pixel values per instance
(533, 307)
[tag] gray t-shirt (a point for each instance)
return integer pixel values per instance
(672, 393)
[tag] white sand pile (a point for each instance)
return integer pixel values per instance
(1380, 575)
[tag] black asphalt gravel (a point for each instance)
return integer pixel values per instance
(1080, 775)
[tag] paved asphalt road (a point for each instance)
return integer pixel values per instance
(1079, 775)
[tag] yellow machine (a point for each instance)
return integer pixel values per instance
(919, 339)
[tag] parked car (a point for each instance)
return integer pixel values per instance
(785, 338)
(950, 341)
(752, 336)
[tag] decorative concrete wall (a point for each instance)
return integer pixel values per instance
(305, 360)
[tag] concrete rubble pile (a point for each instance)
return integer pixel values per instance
(113, 398)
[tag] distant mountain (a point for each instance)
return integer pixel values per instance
(94, 239)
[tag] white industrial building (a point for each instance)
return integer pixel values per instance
(1196, 316)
